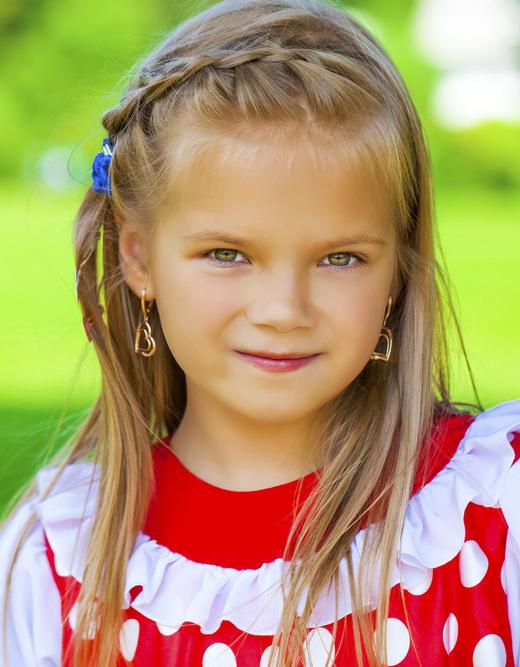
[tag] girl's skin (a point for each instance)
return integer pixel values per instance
(283, 290)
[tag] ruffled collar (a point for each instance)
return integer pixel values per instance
(244, 529)
(173, 588)
(210, 524)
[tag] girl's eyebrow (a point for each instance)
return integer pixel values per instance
(217, 235)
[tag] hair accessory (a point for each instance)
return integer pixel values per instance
(144, 326)
(100, 174)
(88, 322)
(386, 335)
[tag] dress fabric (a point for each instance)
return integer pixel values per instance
(201, 584)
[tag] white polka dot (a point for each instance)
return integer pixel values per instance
(167, 629)
(422, 586)
(397, 641)
(73, 620)
(489, 652)
(60, 568)
(317, 645)
(266, 654)
(218, 655)
(503, 576)
(128, 636)
(473, 564)
(450, 633)
(73, 616)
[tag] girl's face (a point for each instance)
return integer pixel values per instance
(254, 256)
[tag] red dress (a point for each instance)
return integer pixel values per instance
(201, 583)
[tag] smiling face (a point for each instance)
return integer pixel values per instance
(253, 255)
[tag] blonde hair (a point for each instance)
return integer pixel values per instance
(242, 68)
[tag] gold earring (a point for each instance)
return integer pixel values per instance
(144, 326)
(386, 335)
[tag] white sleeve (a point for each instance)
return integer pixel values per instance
(510, 504)
(33, 632)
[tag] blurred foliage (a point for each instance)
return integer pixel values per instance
(64, 64)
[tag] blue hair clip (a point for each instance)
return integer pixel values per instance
(100, 175)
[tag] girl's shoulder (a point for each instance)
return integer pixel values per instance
(34, 613)
(465, 445)
(469, 482)
(480, 451)
(463, 525)
(34, 609)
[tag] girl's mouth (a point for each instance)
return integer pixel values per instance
(276, 365)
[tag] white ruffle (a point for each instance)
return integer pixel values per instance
(33, 619)
(176, 589)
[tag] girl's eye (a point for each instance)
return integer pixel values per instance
(335, 255)
(221, 251)
(349, 257)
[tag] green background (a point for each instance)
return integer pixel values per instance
(62, 65)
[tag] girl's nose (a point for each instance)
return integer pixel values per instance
(281, 300)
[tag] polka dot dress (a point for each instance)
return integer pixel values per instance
(206, 554)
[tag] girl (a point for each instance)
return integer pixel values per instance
(274, 472)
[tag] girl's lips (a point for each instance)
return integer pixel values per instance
(275, 365)
(274, 355)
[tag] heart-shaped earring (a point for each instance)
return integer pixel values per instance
(144, 326)
(386, 335)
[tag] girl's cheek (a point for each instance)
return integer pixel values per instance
(359, 321)
(194, 305)
(355, 305)
(213, 302)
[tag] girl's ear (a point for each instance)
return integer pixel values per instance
(132, 261)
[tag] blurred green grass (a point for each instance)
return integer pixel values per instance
(48, 367)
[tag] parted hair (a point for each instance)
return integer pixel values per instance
(250, 68)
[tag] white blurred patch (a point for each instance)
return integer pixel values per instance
(53, 168)
(463, 99)
(476, 42)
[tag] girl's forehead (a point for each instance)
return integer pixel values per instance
(279, 153)
(266, 182)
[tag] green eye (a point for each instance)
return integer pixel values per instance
(341, 254)
(223, 251)
(230, 253)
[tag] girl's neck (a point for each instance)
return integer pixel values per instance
(239, 455)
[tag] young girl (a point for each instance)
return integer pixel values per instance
(274, 472)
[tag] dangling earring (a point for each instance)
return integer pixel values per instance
(386, 334)
(144, 326)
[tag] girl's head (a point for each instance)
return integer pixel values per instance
(270, 191)
(283, 126)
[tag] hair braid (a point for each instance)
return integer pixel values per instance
(168, 71)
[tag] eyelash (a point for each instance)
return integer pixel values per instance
(220, 262)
